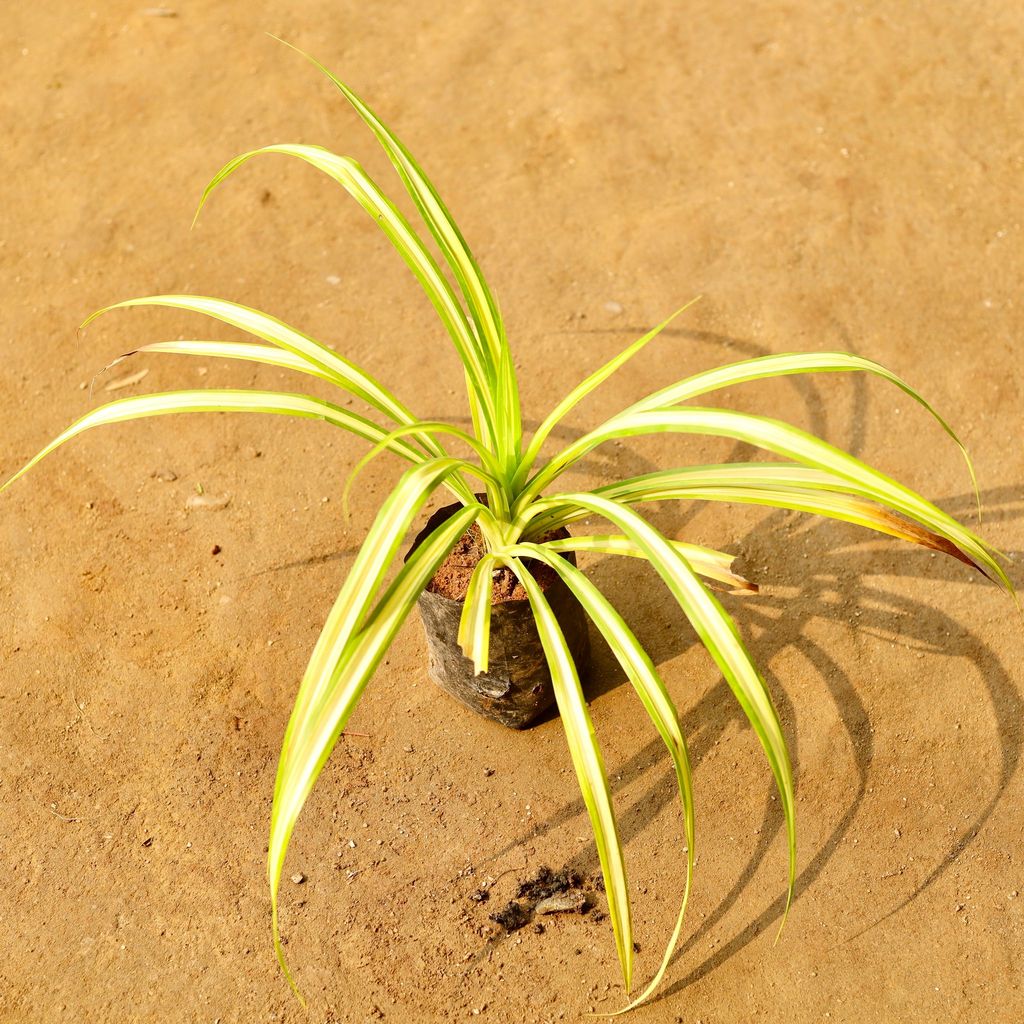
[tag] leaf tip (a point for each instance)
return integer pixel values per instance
(279, 952)
(92, 316)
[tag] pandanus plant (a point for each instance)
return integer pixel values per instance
(522, 502)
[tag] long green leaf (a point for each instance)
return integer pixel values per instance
(784, 364)
(475, 621)
(583, 389)
(782, 439)
(292, 350)
(589, 766)
(779, 485)
(217, 400)
(314, 730)
(488, 471)
(712, 564)
(376, 554)
(719, 635)
(246, 351)
(509, 415)
(782, 486)
(421, 431)
(843, 507)
(348, 173)
(653, 695)
(664, 483)
(340, 371)
(480, 301)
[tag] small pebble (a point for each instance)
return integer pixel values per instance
(208, 502)
(333, 279)
(572, 902)
(298, 878)
(615, 308)
(166, 475)
(216, 549)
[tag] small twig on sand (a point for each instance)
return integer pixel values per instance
(61, 816)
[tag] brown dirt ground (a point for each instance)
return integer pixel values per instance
(827, 175)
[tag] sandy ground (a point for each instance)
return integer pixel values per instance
(828, 176)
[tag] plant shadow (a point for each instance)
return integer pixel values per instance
(839, 589)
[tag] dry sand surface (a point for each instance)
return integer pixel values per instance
(828, 175)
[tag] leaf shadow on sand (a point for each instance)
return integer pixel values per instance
(839, 589)
(875, 610)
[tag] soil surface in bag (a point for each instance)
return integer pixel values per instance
(452, 579)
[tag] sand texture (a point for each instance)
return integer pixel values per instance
(828, 176)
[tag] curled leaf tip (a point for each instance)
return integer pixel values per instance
(739, 583)
(93, 316)
(282, 963)
(745, 587)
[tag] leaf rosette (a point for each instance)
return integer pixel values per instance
(524, 504)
